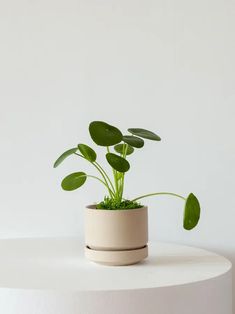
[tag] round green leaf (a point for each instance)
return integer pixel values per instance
(73, 181)
(145, 134)
(120, 148)
(104, 134)
(133, 141)
(191, 212)
(118, 163)
(64, 155)
(87, 152)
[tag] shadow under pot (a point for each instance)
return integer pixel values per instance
(116, 237)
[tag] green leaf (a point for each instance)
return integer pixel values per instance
(133, 141)
(87, 152)
(118, 163)
(145, 134)
(64, 155)
(104, 134)
(120, 148)
(191, 212)
(73, 181)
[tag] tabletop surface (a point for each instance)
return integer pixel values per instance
(59, 264)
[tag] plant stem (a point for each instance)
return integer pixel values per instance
(106, 183)
(159, 193)
(115, 178)
(108, 187)
(94, 177)
(104, 172)
(125, 148)
(80, 155)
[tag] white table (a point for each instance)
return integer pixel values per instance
(51, 276)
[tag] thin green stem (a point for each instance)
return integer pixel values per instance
(105, 174)
(80, 155)
(112, 193)
(94, 177)
(115, 177)
(116, 182)
(159, 193)
(107, 185)
(125, 148)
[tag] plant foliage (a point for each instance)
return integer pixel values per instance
(118, 148)
(109, 203)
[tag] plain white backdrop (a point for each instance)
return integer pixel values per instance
(164, 65)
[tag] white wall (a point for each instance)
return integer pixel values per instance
(165, 65)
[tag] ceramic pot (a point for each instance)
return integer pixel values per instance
(116, 237)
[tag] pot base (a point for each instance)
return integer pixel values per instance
(116, 258)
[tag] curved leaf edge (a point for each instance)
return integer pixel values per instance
(192, 212)
(63, 156)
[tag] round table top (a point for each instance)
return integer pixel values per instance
(59, 264)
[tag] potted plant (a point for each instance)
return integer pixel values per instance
(116, 229)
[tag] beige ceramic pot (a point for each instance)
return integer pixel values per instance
(116, 237)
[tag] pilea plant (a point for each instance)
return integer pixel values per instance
(118, 148)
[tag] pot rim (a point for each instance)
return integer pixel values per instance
(93, 207)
